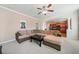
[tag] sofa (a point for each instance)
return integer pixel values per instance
(49, 39)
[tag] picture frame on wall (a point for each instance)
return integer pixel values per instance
(22, 24)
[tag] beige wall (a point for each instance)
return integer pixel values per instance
(10, 22)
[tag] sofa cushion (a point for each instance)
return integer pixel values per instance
(22, 32)
(41, 34)
(28, 32)
(23, 36)
(52, 39)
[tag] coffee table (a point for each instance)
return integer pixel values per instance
(38, 38)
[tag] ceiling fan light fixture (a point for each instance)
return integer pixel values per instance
(45, 9)
(44, 12)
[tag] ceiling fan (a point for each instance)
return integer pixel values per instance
(45, 9)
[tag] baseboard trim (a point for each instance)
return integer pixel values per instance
(6, 41)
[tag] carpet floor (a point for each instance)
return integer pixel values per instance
(27, 47)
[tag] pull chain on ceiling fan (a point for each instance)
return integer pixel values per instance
(45, 9)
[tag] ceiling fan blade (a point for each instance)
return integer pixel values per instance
(43, 6)
(39, 13)
(39, 8)
(50, 10)
(49, 5)
(44, 14)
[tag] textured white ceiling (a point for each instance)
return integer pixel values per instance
(31, 9)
